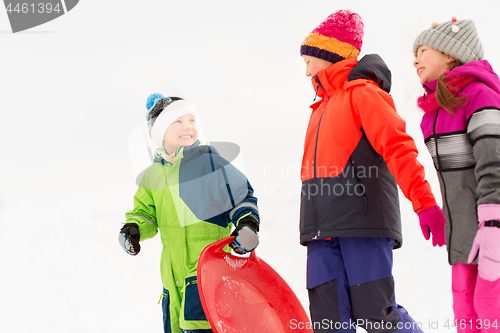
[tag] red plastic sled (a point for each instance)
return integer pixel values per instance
(244, 294)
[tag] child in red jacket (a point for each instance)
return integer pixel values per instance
(356, 152)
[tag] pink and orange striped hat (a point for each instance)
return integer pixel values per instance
(338, 37)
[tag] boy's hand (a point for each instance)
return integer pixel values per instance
(432, 221)
(247, 237)
(129, 239)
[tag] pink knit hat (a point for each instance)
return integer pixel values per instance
(338, 37)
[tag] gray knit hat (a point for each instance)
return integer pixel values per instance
(457, 39)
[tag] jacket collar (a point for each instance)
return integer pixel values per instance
(430, 87)
(332, 78)
(456, 83)
(162, 156)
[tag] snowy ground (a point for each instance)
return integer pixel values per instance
(73, 91)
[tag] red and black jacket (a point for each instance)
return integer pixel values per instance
(356, 152)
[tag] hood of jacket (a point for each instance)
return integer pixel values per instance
(372, 67)
(480, 69)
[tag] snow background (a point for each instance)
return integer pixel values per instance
(74, 89)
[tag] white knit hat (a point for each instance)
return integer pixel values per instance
(457, 39)
(162, 112)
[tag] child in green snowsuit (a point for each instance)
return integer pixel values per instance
(193, 196)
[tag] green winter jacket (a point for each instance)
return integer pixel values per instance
(193, 202)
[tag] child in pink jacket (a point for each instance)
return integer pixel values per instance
(461, 127)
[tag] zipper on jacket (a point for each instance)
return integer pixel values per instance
(438, 160)
(315, 214)
(319, 125)
(316, 93)
(320, 85)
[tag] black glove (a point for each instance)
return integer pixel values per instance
(247, 237)
(129, 239)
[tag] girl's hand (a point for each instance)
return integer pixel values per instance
(487, 242)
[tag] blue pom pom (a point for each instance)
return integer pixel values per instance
(151, 100)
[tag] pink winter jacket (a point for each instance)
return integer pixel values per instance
(465, 148)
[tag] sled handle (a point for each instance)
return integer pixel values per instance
(218, 247)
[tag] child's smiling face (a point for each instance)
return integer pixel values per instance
(430, 63)
(314, 65)
(181, 133)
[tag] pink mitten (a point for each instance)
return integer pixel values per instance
(432, 221)
(487, 242)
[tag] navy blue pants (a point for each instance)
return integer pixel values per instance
(350, 283)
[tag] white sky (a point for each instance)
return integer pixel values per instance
(75, 88)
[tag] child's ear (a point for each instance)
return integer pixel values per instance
(450, 60)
